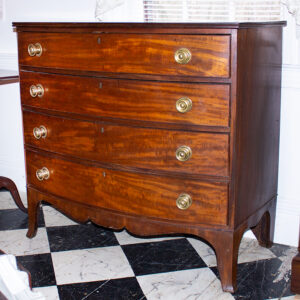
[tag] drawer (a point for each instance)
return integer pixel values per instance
(129, 99)
(152, 54)
(130, 146)
(137, 194)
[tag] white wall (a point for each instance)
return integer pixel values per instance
(11, 142)
(288, 207)
(11, 136)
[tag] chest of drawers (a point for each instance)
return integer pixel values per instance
(157, 128)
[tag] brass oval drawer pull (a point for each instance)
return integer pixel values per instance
(183, 56)
(40, 132)
(184, 104)
(184, 201)
(35, 49)
(183, 153)
(37, 90)
(43, 174)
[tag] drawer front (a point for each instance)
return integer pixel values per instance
(128, 99)
(130, 146)
(147, 195)
(152, 54)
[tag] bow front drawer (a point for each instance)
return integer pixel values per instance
(164, 102)
(152, 54)
(144, 148)
(176, 199)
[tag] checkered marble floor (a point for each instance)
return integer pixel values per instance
(74, 261)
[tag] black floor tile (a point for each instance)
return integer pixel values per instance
(40, 267)
(116, 289)
(74, 237)
(279, 250)
(16, 219)
(257, 280)
(159, 257)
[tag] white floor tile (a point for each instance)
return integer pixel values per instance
(188, 284)
(54, 218)
(6, 201)
(124, 238)
(49, 292)
(205, 252)
(15, 242)
(90, 265)
(249, 251)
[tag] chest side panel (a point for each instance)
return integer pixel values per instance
(258, 118)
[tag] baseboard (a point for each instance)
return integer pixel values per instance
(286, 228)
(290, 76)
(287, 221)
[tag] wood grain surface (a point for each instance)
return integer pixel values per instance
(129, 53)
(129, 99)
(257, 119)
(144, 148)
(137, 194)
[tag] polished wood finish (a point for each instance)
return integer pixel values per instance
(295, 279)
(184, 28)
(150, 196)
(258, 116)
(109, 108)
(128, 99)
(153, 149)
(115, 53)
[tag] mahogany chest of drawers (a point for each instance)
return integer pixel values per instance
(157, 128)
